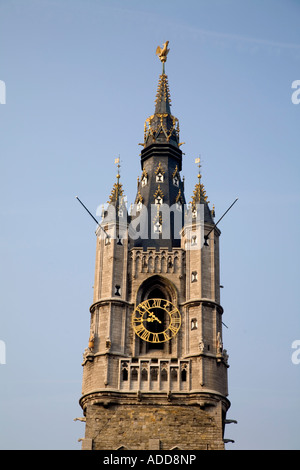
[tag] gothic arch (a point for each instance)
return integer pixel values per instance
(154, 284)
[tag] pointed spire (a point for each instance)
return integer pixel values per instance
(117, 199)
(117, 192)
(160, 184)
(199, 194)
(200, 197)
(163, 99)
(162, 126)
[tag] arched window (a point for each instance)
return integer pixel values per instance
(156, 287)
(164, 375)
(154, 374)
(134, 374)
(144, 375)
(157, 293)
(173, 374)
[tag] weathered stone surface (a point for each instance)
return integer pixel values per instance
(146, 427)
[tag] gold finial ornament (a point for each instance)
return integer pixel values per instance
(117, 191)
(199, 194)
(163, 52)
(117, 161)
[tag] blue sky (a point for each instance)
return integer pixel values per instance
(81, 79)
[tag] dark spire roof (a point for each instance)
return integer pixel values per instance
(116, 209)
(163, 99)
(200, 197)
(161, 185)
(162, 126)
(116, 197)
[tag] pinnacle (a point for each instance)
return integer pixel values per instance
(162, 127)
(163, 99)
(117, 192)
(200, 197)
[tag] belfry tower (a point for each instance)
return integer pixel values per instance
(155, 371)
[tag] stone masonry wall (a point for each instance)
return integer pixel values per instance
(154, 427)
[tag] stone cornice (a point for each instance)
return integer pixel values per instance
(195, 302)
(106, 398)
(108, 300)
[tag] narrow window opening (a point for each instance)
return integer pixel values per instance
(176, 181)
(159, 177)
(173, 374)
(134, 375)
(164, 375)
(154, 374)
(157, 228)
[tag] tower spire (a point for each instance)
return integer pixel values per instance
(200, 196)
(162, 126)
(117, 194)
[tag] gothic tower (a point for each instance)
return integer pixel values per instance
(155, 371)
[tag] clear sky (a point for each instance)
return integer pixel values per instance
(81, 78)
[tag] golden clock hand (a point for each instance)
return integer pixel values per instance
(152, 317)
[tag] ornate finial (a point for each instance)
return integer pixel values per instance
(162, 53)
(197, 160)
(117, 160)
(117, 191)
(199, 195)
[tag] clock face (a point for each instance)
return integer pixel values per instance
(156, 320)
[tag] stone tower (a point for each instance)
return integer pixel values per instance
(155, 371)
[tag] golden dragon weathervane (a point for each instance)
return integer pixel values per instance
(162, 53)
